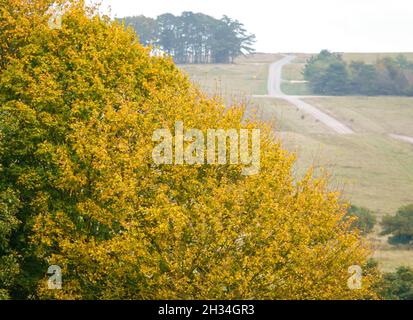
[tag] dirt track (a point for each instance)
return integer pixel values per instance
(274, 90)
(402, 138)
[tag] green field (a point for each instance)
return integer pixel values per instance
(371, 168)
(248, 75)
(298, 89)
(368, 163)
(380, 115)
(373, 57)
(294, 72)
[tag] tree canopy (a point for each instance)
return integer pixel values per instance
(79, 189)
(328, 74)
(398, 285)
(365, 220)
(400, 226)
(194, 37)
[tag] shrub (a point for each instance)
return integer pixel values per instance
(365, 219)
(328, 74)
(398, 285)
(400, 226)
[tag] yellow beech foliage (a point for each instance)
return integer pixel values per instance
(78, 107)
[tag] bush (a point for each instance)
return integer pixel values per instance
(400, 226)
(398, 285)
(365, 219)
(328, 74)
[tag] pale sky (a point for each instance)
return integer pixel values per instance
(300, 25)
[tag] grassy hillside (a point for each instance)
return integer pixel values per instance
(294, 72)
(248, 75)
(381, 115)
(373, 57)
(371, 168)
(375, 170)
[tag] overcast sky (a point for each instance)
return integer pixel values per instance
(300, 25)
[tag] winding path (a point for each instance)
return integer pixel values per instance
(402, 138)
(274, 91)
